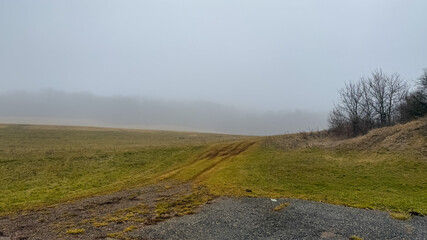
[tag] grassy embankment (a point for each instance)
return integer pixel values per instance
(384, 170)
(369, 180)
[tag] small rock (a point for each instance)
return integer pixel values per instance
(327, 235)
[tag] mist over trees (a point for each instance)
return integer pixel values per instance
(377, 101)
(86, 109)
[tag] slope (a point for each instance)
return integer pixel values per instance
(386, 169)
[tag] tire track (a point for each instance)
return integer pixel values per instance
(215, 154)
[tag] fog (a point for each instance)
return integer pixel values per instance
(244, 66)
(55, 107)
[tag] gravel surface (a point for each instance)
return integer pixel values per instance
(254, 218)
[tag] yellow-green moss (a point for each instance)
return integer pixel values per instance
(75, 231)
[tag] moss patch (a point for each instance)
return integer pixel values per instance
(75, 231)
(281, 206)
(400, 215)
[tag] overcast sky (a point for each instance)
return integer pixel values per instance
(260, 56)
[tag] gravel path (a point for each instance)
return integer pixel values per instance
(254, 218)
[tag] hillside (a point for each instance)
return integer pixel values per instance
(401, 137)
(109, 181)
(385, 169)
(411, 136)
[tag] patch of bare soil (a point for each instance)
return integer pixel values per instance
(111, 216)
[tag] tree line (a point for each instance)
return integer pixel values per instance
(377, 101)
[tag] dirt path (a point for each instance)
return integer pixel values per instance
(225, 153)
(209, 159)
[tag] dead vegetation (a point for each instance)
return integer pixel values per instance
(281, 206)
(409, 136)
(301, 140)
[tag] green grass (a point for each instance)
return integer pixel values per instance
(48, 179)
(387, 181)
(42, 165)
(46, 165)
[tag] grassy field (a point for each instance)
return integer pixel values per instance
(42, 165)
(368, 180)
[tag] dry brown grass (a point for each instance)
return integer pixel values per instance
(281, 206)
(301, 140)
(409, 136)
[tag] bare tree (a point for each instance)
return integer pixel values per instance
(367, 109)
(338, 122)
(345, 118)
(351, 101)
(396, 92)
(422, 86)
(415, 103)
(368, 103)
(377, 91)
(387, 93)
